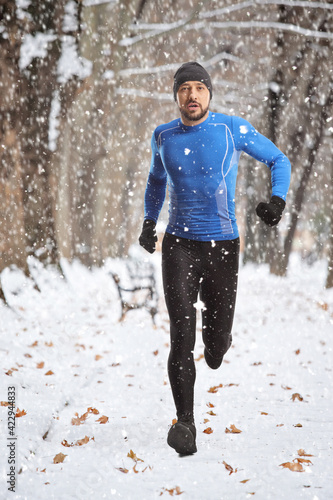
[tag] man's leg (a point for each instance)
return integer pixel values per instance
(181, 285)
(218, 292)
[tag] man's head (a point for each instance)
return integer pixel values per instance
(192, 91)
(191, 72)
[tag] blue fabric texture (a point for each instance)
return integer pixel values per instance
(199, 164)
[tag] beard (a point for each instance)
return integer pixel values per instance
(193, 117)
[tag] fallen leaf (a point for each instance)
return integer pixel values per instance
(41, 364)
(122, 469)
(50, 372)
(79, 420)
(92, 410)
(257, 363)
(49, 344)
(27, 355)
(229, 468)
(79, 442)
(233, 430)
(209, 430)
(4, 403)
(174, 421)
(211, 413)
(245, 481)
(293, 466)
(59, 458)
(298, 425)
(210, 405)
(286, 388)
(35, 344)
(155, 352)
(172, 491)
(103, 419)
(302, 453)
(98, 357)
(297, 352)
(83, 441)
(133, 456)
(215, 388)
(20, 413)
(297, 396)
(199, 357)
(263, 413)
(206, 420)
(304, 461)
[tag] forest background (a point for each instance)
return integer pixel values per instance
(83, 84)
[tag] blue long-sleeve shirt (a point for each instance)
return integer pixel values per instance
(199, 163)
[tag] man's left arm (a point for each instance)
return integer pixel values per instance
(248, 139)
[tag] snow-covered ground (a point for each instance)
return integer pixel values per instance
(72, 362)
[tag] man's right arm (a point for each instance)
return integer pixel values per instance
(154, 199)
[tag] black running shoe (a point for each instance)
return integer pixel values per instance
(181, 437)
(213, 363)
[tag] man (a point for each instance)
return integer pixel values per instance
(197, 156)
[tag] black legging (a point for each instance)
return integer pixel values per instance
(190, 267)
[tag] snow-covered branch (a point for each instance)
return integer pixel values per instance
(274, 26)
(128, 72)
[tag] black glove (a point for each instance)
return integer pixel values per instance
(271, 212)
(148, 236)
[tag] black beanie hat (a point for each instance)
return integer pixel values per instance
(191, 72)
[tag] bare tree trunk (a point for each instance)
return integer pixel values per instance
(12, 230)
(329, 278)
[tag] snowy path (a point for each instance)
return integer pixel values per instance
(69, 357)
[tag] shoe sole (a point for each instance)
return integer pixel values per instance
(181, 439)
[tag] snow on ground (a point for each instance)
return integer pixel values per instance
(68, 357)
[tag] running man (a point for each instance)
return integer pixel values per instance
(197, 156)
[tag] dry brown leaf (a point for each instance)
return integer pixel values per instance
(257, 363)
(206, 420)
(35, 344)
(297, 396)
(122, 469)
(4, 403)
(298, 425)
(20, 413)
(79, 442)
(174, 421)
(50, 372)
(304, 461)
(209, 430)
(59, 458)
(155, 352)
(233, 430)
(245, 481)
(211, 413)
(27, 355)
(41, 364)
(302, 453)
(49, 344)
(210, 405)
(229, 468)
(98, 357)
(133, 456)
(215, 388)
(92, 410)
(263, 413)
(173, 491)
(83, 441)
(79, 420)
(199, 357)
(286, 388)
(297, 352)
(103, 419)
(293, 466)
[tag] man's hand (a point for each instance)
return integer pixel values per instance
(148, 236)
(271, 212)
